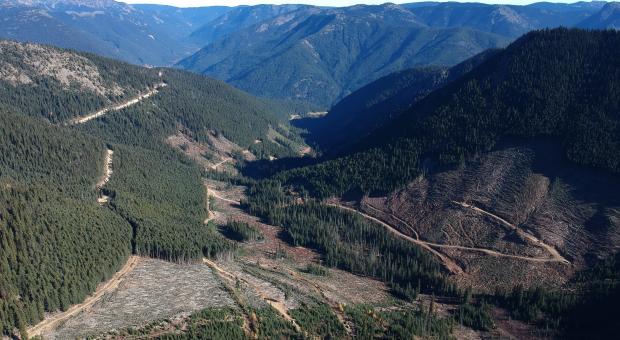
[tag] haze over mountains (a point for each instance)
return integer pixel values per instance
(320, 55)
(302, 53)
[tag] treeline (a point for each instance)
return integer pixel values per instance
(349, 242)
(56, 243)
(554, 83)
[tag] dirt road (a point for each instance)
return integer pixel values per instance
(217, 195)
(446, 261)
(54, 320)
(557, 257)
(217, 165)
(133, 101)
(107, 173)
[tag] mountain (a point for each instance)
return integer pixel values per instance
(607, 17)
(375, 104)
(506, 20)
(237, 19)
(180, 23)
(145, 35)
(527, 109)
(508, 173)
(65, 118)
(474, 113)
(319, 55)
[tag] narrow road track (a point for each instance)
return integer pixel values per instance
(54, 320)
(277, 305)
(133, 101)
(417, 236)
(217, 195)
(107, 174)
(217, 165)
(447, 262)
(557, 257)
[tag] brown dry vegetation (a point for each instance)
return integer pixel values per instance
(152, 290)
(216, 155)
(511, 202)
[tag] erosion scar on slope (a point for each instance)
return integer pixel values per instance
(131, 102)
(54, 320)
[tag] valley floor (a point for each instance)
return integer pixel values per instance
(160, 295)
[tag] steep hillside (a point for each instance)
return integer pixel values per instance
(181, 22)
(607, 17)
(569, 99)
(78, 84)
(319, 55)
(140, 35)
(110, 184)
(529, 138)
(375, 104)
(49, 216)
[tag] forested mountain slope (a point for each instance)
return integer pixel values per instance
(375, 104)
(607, 17)
(50, 168)
(319, 55)
(542, 85)
(505, 20)
(508, 175)
(531, 132)
(236, 19)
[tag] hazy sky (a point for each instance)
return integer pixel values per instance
(194, 3)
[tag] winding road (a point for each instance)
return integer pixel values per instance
(555, 254)
(446, 261)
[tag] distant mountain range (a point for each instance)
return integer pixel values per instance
(607, 17)
(309, 54)
(320, 55)
(140, 34)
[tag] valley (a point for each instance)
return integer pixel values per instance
(397, 171)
